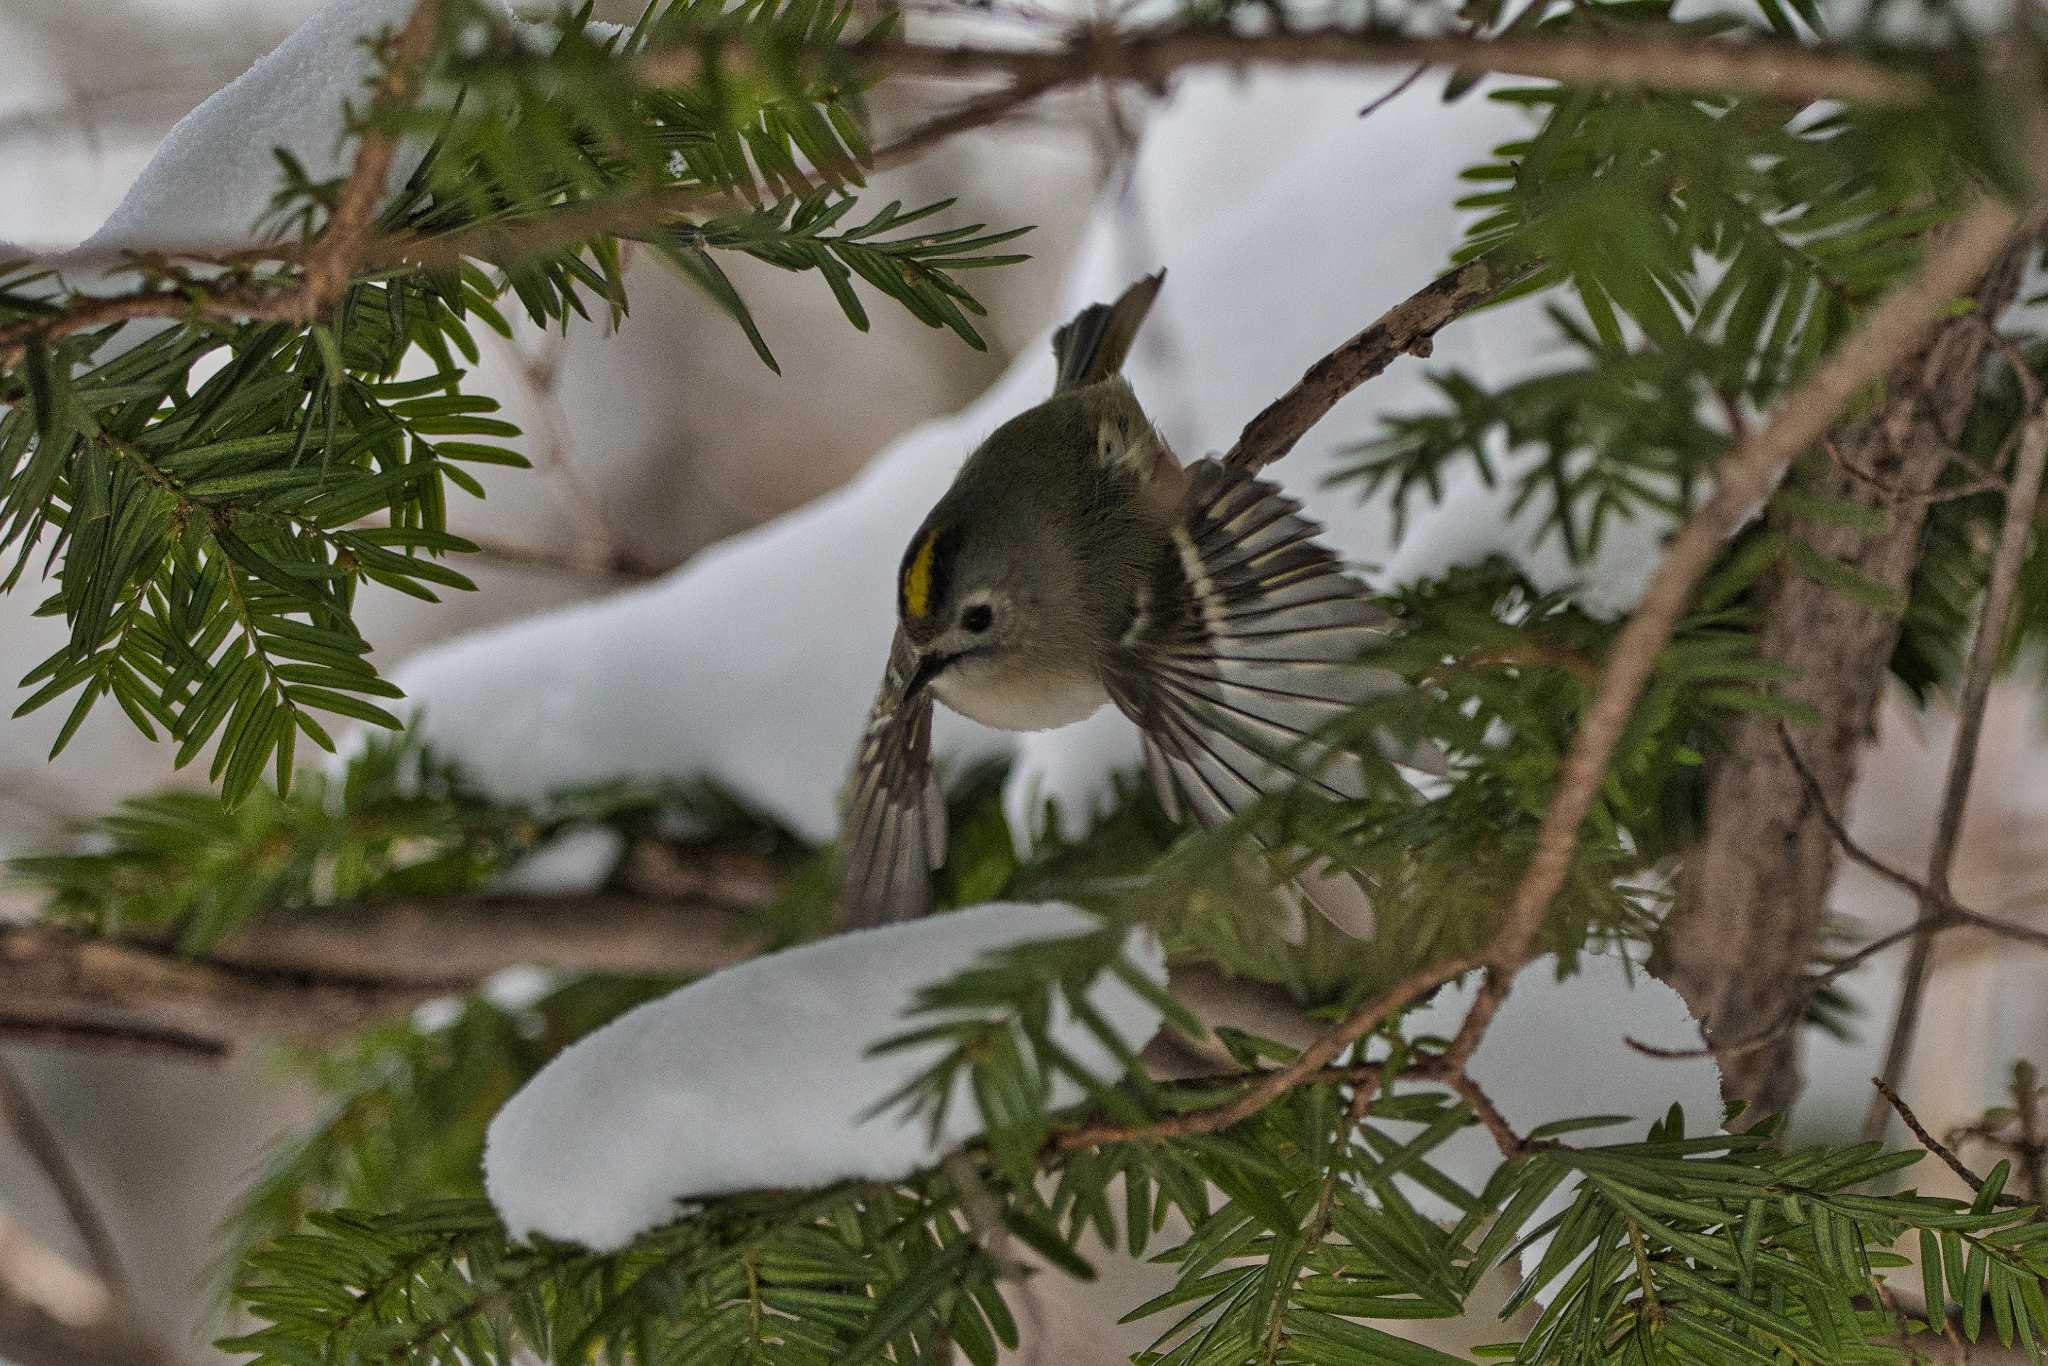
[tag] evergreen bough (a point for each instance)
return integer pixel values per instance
(1698, 252)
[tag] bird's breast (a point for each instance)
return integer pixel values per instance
(1019, 699)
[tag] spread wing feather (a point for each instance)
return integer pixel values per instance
(894, 828)
(1263, 653)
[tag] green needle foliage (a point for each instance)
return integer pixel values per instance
(210, 497)
(206, 499)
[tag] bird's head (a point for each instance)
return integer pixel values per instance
(956, 596)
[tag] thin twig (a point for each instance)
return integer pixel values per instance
(1407, 329)
(1889, 1098)
(1394, 91)
(2014, 538)
(1949, 913)
(40, 1142)
(1308, 1066)
(144, 1039)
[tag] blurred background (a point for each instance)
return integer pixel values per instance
(649, 445)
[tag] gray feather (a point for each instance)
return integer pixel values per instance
(894, 828)
(1267, 653)
(1093, 346)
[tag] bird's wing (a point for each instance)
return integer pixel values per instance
(893, 831)
(1234, 682)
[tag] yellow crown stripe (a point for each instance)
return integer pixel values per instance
(917, 579)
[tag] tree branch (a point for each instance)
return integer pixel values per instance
(1762, 66)
(330, 261)
(25, 1121)
(1889, 1098)
(1407, 329)
(299, 974)
(1743, 481)
(1769, 67)
(1993, 621)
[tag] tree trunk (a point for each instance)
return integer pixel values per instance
(1752, 895)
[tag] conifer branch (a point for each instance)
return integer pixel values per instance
(1743, 480)
(329, 263)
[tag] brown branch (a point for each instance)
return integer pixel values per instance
(1772, 68)
(1753, 890)
(301, 974)
(1763, 66)
(2002, 590)
(25, 1121)
(1406, 329)
(1310, 1066)
(333, 257)
(139, 1038)
(1889, 1098)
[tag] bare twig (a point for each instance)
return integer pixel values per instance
(36, 1138)
(141, 1038)
(1948, 914)
(1406, 329)
(1889, 1098)
(539, 371)
(2014, 537)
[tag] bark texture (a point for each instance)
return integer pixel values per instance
(1752, 896)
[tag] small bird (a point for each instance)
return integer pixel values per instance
(1075, 562)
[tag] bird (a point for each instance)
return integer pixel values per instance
(1075, 563)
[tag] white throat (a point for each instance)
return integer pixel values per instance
(1017, 699)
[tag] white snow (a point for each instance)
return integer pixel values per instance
(215, 172)
(758, 1076)
(1558, 1050)
(213, 176)
(573, 861)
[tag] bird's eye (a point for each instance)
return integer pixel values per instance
(978, 618)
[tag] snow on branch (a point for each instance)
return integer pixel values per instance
(763, 1075)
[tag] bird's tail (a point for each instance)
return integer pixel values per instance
(1093, 346)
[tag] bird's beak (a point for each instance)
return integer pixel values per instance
(928, 668)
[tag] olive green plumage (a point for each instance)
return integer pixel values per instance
(1074, 562)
